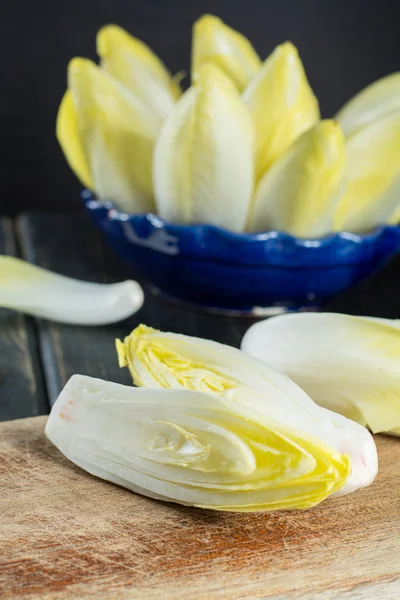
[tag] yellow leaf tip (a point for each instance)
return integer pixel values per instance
(207, 19)
(79, 63)
(108, 34)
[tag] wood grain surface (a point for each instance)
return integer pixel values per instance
(21, 386)
(66, 534)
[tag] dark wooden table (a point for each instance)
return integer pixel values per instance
(38, 357)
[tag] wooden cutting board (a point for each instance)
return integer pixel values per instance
(66, 534)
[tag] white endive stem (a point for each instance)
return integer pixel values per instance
(197, 448)
(346, 364)
(41, 293)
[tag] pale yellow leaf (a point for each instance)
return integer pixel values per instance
(300, 192)
(135, 65)
(373, 165)
(203, 163)
(216, 42)
(282, 105)
(67, 132)
(373, 102)
(118, 134)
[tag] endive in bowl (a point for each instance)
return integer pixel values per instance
(241, 273)
(233, 195)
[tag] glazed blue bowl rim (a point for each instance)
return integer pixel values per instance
(213, 231)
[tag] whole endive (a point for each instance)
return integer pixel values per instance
(134, 64)
(265, 402)
(370, 122)
(373, 175)
(300, 193)
(203, 159)
(281, 104)
(346, 364)
(110, 117)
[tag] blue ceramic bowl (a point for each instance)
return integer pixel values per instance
(243, 272)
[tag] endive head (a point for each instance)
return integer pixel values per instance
(203, 159)
(214, 42)
(134, 64)
(193, 448)
(281, 103)
(165, 360)
(108, 136)
(345, 363)
(299, 194)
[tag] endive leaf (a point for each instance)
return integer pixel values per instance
(164, 360)
(36, 291)
(373, 173)
(373, 102)
(192, 448)
(300, 192)
(394, 219)
(281, 103)
(117, 132)
(134, 64)
(203, 169)
(217, 43)
(345, 363)
(67, 132)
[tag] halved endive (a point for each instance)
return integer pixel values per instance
(41, 293)
(217, 43)
(301, 453)
(203, 160)
(282, 105)
(108, 136)
(300, 193)
(347, 364)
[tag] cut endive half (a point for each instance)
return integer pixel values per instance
(217, 43)
(282, 105)
(165, 360)
(197, 449)
(373, 102)
(135, 65)
(299, 194)
(373, 175)
(347, 364)
(203, 161)
(41, 293)
(116, 131)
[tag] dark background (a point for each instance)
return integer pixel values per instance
(344, 44)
